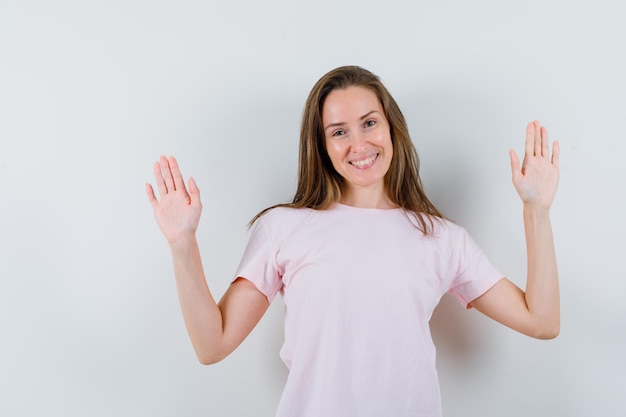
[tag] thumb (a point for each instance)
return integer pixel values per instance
(516, 168)
(194, 192)
(150, 193)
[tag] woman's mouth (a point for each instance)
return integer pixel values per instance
(364, 163)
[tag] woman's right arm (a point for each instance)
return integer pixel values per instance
(215, 329)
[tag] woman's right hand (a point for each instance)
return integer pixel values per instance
(178, 211)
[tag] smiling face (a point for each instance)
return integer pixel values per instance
(358, 142)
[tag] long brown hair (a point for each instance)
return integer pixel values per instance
(319, 185)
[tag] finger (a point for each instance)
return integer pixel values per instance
(537, 133)
(545, 142)
(556, 150)
(179, 183)
(158, 175)
(150, 193)
(167, 174)
(529, 148)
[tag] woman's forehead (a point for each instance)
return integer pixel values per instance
(347, 104)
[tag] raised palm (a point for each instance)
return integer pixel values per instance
(178, 211)
(537, 177)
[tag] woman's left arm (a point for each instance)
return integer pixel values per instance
(535, 312)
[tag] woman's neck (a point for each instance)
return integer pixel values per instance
(366, 199)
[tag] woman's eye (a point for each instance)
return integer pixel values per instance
(370, 123)
(338, 133)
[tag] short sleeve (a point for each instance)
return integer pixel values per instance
(475, 275)
(258, 263)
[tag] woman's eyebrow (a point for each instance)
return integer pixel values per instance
(366, 115)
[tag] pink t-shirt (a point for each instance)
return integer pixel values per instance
(359, 288)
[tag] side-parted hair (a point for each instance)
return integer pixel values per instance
(319, 184)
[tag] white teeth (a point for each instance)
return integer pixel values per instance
(363, 162)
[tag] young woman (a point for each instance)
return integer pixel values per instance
(361, 258)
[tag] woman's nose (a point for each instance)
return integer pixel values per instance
(358, 140)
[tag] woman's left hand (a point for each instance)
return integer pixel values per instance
(537, 177)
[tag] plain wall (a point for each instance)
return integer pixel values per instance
(91, 93)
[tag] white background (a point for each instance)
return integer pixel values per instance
(91, 93)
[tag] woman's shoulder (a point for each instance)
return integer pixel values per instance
(280, 224)
(282, 219)
(451, 234)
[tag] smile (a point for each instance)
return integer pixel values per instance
(364, 163)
